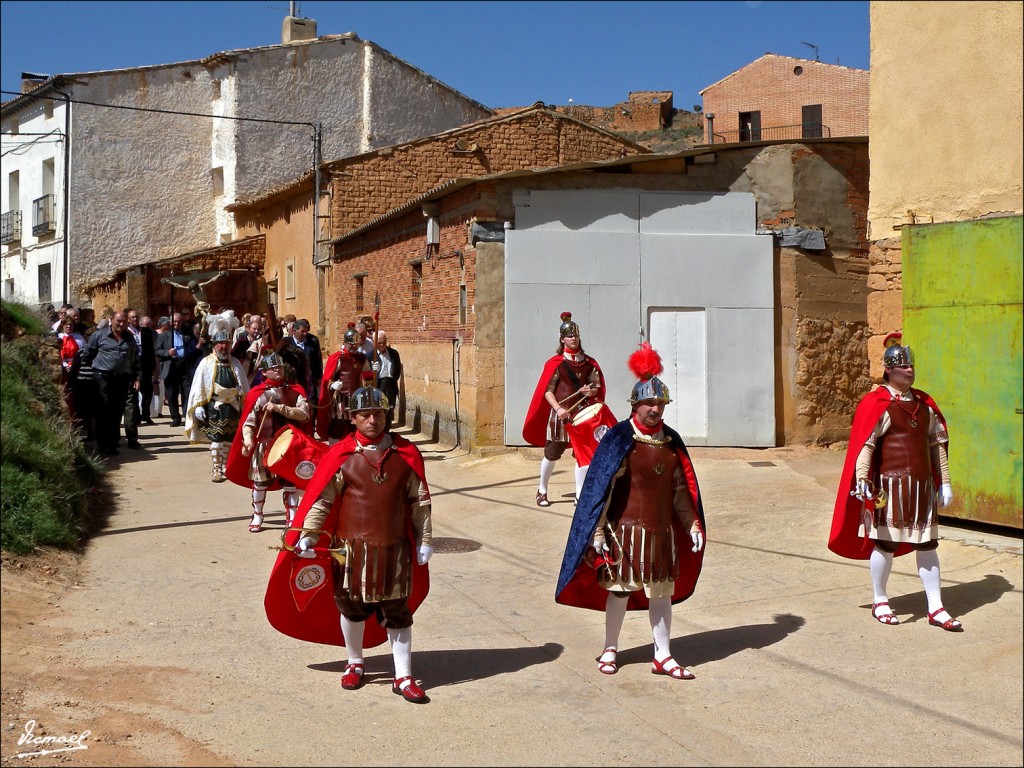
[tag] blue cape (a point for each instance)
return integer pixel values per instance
(577, 581)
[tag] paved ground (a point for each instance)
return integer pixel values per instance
(161, 649)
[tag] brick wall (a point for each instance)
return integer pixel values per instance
(770, 85)
(367, 186)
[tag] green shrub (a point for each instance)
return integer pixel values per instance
(45, 470)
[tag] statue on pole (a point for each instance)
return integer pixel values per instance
(198, 293)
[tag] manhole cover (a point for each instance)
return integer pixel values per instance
(452, 546)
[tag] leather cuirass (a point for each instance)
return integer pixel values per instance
(349, 371)
(643, 495)
(269, 426)
(904, 448)
(572, 376)
(374, 505)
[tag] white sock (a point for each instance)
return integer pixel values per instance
(259, 496)
(215, 454)
(660, 614)
(614, 613)
(881, 567)
(352, 631)
(547, 466)
(581, 475)
(928, 570)
(401, 651)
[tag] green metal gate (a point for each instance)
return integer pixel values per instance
(962, 296)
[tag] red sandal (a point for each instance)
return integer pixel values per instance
(256, 524)
(406, 688)
(353, 678)
(675, 672)
(607, 667)
(950, 624)
(885, 618)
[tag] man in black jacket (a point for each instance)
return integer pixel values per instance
(175, 349)
(114, 357)
(145, 339)
(312, 372)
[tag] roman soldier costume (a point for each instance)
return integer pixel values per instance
(268, 407)
(342, 377)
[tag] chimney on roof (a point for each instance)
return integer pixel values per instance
(296, 30)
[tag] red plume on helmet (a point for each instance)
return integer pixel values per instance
(893, 339)
(566, 316)
(645, 363)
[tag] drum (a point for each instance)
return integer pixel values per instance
(294, 455)
(586, 430)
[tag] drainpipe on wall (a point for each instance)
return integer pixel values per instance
(67, 179)
(711, 126)
(457, 384)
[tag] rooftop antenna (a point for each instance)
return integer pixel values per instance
(812, 45)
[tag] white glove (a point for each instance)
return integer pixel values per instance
(305, 547)
(199, 413)
(335, 386)
(862, 490)
(424, 554)
(947, 494)
(697, 537)
(375, 365)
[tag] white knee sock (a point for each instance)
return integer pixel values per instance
(660, 614)
(215, 454)
(614, 613)
(401, 651)
(353, 634)
(881, 567)
(547, 466)
(928, 570)
(581, 475)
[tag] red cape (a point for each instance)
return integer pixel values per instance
(323, 406)
(318, 619)
(535, 428)
(846, 515)
(237, 467)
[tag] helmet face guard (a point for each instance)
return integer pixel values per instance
(368, 398)
(271, 360)
(650, 389)
(898, 357)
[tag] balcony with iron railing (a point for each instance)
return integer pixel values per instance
(10, 227)
(43, 219)
(774, 133)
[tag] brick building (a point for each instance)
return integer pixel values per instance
(781, 97)
(467, 320)
(360, 188)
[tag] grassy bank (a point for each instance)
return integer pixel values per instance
(45, 471)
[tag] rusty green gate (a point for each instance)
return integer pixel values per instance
(962, 294)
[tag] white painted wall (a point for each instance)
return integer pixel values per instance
(142, 185)
(684, 270)
(25, 153)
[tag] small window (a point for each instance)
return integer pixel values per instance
(798, 71)
(9, 288)
(416, 289)
(463, 305)
(217, 175)
(216, 89)
(289, 279)
(45, 285)
(48, 109)
(359, 294)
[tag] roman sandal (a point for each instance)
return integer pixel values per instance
(406, 688)
(353, 677)
(884, 618)
(256, 524)
(542, 500)
(606, 662)
(671, 668)
(950, 624)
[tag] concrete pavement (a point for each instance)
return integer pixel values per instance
(791, 668)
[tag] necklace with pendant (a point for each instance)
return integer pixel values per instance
(911, 415)
(380, 477)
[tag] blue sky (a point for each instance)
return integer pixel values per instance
(501, 54)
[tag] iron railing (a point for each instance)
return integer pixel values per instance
(774, 133)
(10, 227)
(43, 220)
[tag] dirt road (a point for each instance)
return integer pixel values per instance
(156, 644)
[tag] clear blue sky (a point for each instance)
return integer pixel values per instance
(502, 54)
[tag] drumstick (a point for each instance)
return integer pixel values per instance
(577, 393)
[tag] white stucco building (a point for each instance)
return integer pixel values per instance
(103, 170)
